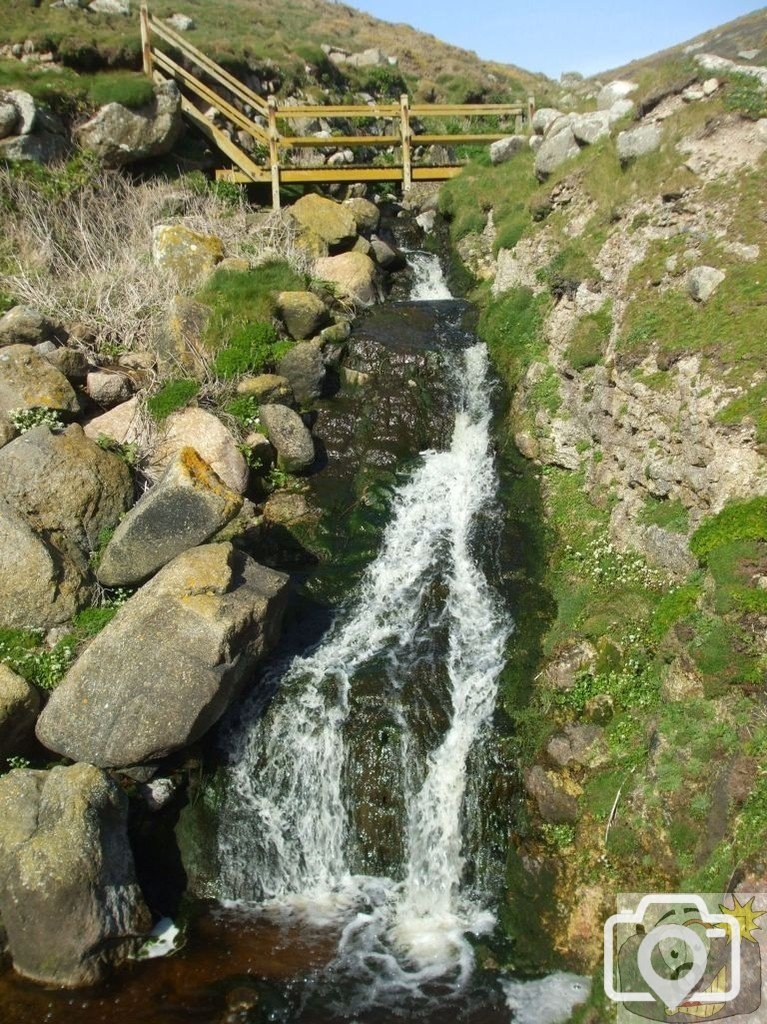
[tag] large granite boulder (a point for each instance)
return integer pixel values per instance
(69, 899)
(29, 132)
(66, 487)
(543, 118)
(504, 149)
(124, 424)
(555, 150)
(304, 369)
(353, 274)
(167, 666)
(303, 313)
(23, 325)
(640, 141)
(613, 92)
(366, 214)
(590, 128)
(702, 282)
(331, 222)
(119, 136)
(291, 439)
(188, 505)
(19, 708)
(201, 430)
(28, 381)
(39, 586)
(187, 254)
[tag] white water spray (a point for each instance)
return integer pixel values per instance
(285, 828)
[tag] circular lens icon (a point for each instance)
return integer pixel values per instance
(678, 945)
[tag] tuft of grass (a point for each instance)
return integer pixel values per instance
(750, 406)
(590, 337)
(739, 520)
(130, 89)
(244, 409)
(176, 394)
(746, 95)
(253, 349)
(512, 327)
(241, 298)
(668, 514)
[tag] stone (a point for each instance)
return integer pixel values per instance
(43, 147)
(121, 7)
(303, 367)
(213, 442)
(71, 362)
(303, 313)
(187, 254)
(19, 708)
(613, 92)
(638, 142)
(354, 275)
(619, 110)
(178, 339)
(124, 424)
(180, 22)
(267, 388)
(109, 388)
(67, 488)
(590, 128)
(289, 436)
(761, 130)
(667, 550)
(170, 662)
(7, 432)
(39, 587)
(26, 110)
(69, 898)
(702, 282)
(333, 223)
(24, 325)
(28, 381)
(387, 256)
(535, 142)
(119, 136)
(187, 506)
(564, 667)
(578, 744)
(543, 118)
(557, 805)
(9, 118)
(505, 149)
(559, 124)
(362, 245)
(366, 214)
(555, 151)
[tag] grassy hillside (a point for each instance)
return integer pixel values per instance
(256, 35)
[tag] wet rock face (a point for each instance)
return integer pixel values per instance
(69, 898)
(289, 436)
(168, 665)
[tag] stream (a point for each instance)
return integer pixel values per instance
(353, 874)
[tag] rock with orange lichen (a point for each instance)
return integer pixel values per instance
(185, 508)
(170, 662)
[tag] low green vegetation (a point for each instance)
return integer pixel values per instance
(738, 521)
(174, 395)
(589, 339)
(244, 409)
(70, 92)
(746, 95)
(241, 298)
(252, 349)
(512, 326)
(668, 514)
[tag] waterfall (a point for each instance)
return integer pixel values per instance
(429, 283)
(285, 837)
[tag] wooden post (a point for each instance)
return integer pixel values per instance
(274, 153)
(530, 111)
(146, 41)
(407, 172)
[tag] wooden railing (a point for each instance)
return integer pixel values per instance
(245, 106)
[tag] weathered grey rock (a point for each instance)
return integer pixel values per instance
(124, 424)
(620, 109)
(354, 275)
(69, 898)
(119, 136)
(702, 282)
(178, 339)
(186, 253)
(7, 432)
(109, 388)
(291, 439)
(387, 256)
(559, 124)
(303, 313)
(66, 486)
(555, 151)
(535, 142)
(180, 22)
(614, 91)
(9, 118)
(121, 7)
(667, 550)
(590, 128)
(543, 118)
(761, 130)
(638, 141)
(303, 367)
(39, 586)
(201, 430)
(167, 666)
(23, 325)
(267, 388)
(26, 110)
(563, 668)
(42, 147)
(19, 708)
(185, 508)
(556, 804)
(332, 222)
(505, 149)
(366, 214)
(710, 86)
(28, 381)
(578, 744)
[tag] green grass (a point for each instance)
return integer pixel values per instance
(244, 409)
(746, 95)
(750, 406)
(512, 326)
(668, 514)
(739, 520)
(241, 297)
(176, 394)
(24, 652)
(590, 337)
(69, 91)
(253, 349)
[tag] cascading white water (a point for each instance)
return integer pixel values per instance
(429, 284)
(285, 832)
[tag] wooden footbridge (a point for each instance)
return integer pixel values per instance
(273, 155)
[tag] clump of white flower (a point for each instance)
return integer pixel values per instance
(24, 419)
